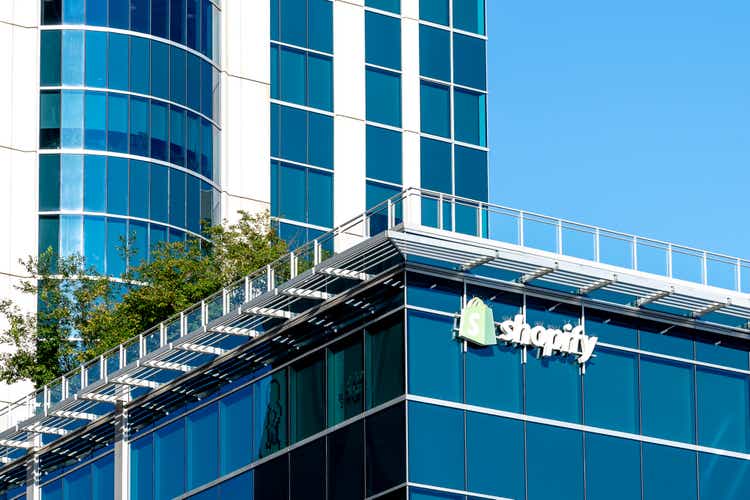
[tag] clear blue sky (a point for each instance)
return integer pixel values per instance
(629, 115)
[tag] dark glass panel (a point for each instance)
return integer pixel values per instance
(51, 46)
(177, 135)
(384, 154)
(385, 438)
(49, 119)
(437, 175)
(384, 361)
(320, 25)
(51, 11)
(320, 198)
(119, 14)
(471, 173)
(193, 82)
(667, 399)
(140, 53)
(169, 461)
(320, 140)
(139, 126)
(611, 384)
(49, 233)
(177, 75)
(140, 15)
(346, 466)
(160, 70)
(469, 61)
(272, 479)
(435, 11)
(176, 198)
(383, 96)
(307, 395)
(345, 379)
(49, 183)
(159, 127)
(468, 15)
(117, 67)
(193, 23)
(382, 40)
(320, 82)
(308, 472)
(434, 53)
(177, 14)
(436, 446)
(270, 411)
(435, 109)
(193, 204)
(160, 18)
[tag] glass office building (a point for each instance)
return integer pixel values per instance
(349, 381)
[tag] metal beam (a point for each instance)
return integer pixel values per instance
(597, 285)
(536, 274)
(45, 429)
(203, 349)
(101, 398)
(235, 330)
(653, 297)
(711, 308)
(137, 382)
(79, 415)
(346, 273)
(270, 312)
(307, 294)
(13, 443)
(479, 261)
(168, 365)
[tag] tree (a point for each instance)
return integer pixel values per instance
(82, 314)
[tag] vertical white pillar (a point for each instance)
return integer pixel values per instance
(122, 452)
(33, 490)
(411, 106)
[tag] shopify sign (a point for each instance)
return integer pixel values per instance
(478, 327)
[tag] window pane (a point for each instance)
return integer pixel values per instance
(118, 56)
(193, 142)
(431, 344)
(139, 126)
(386, 449)
(292, 190)
(238, 487)
(320, 82)
(434, 53)
(159, 193)
(72, 119)
(176, 136)
(176, 198)
(139, 195)
(555, 454)
(320, 140)
(346, 462)
(103, 478)
(667, 399)
(292, 69)
(320, 25)
(193, 81)
(495, 455)
(725, 354)
(468, 15)
(613, 468)
(383, 97)
(139, 64)
(270, 411)
(668, 473)
(137, 243)
(116, 238)
(139, 15)
(49, 183)
(320, 204)
(678, 343)
(160, 18)
(95, 134)
(611, 329)
(469, 61)
(438, 462)
(117, 186)
(436, 11)
(612, 390)
(193, 22)
(117, 129)
(159, 131)
(293, 22)
(94, 248)
(308, 471)
(484, 367)
(49, 234)
(142, 468)
(160, 70)
(307, 395)
(95, 185)
(72, 57)
(202, 446)
(96, 59)
(193, 204)
(384, 368)
(435, 109)
(723, 477)
(71, 182)
(49, 119)
(169, 467)
(723, 409)
(470, 109)
(434, 293)
(384, 154)
(177, 75)
(382, 40)
(389, 5)
(207, 149)
(345, 379)
(96, 12)
(177, 21)
(236, 412)
(471, 173)
(272, 479)
(50, 63)
(436, 172)
(118, 14)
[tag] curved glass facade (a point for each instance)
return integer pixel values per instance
(128, 126)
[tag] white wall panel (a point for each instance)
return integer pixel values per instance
(349, 59)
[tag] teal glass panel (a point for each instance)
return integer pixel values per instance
(275, 69)
(376, 195)
(49, 234)
(96, 59)
(177, 136)
(612, 390)
(468, 15)
(177, 198)
(388, 5)
(71, 235)
(668, 473)
(50, 66)
(384, 152)
(723, 477)
(435, 107)
(270, 412)
(471, 117)
(95, 121)
(96, 12)
(564, 403)
(71, 130)
(193, 142)
(436, 166)
(140, 53)
(320, 82)
(471, 173)
(667, 399)
(177, 75)
(431, 344)
(139, 126)
(292, 70)
(160, 70)
(382, 40)
(159, 127)
(307, 397)
(723, 409)
(49, 119)
(345, 372)
(320, 198)
(202, 433)
(293, 134)
(192, 204)
(49, 183)
(159, 193)
(495, 455)
(613, 468)
(117, 186)
(677, 343)
(611, 329)
(117, 126)
(117, 67)
(72, 57)
(116, 240)
(169, 460)
(207, 149)
(139, 184)
(732, 355)
(95, 242)
(435, 11)
(434, 293)
(434, 53)
(469, 61)
(71, 182)
(207, 89)
(103, 478)
(383, 97)
(487, 365)
(235, 426)
(292, 184)
(293, 22)
(320, 25)
(384, 361)
(434, 460)
(119, 14)
(194, 81)
(320, 140)
(555, 454)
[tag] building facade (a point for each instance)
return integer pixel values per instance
(351, 380)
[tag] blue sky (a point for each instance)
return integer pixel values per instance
(633, 116)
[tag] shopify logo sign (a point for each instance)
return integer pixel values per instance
(478, 327)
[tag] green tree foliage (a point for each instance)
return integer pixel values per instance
(76, 303)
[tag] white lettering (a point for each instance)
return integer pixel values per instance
(569, 340)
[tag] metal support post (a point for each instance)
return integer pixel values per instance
(122, 452)
(33, 490)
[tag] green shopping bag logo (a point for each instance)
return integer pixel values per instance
(477, 323)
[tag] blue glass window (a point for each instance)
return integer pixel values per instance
(611, 329)
(389, 5)
(435, 109)
(176, 135)
(169, 460)
(176, 198)
(434, 53)
(376, 194)
(139, 189)
(159, 127)
(307, 397)
(668, 473)
(207, 149)
(431, 344)
(137, 243)
(471, 173)
(202, 446)
(471, 119)
(320, 25)
(193, 23)
(723, 409)
(96, 12)
(436, 172)
(95, 183)
(119, 14)
(468, 15)
(51, 12)
(72, 119)
(613, 468)
(159, 193)
(116, 238)
(677, 343)
(73, 12)
(193, 142)
(723, 354)
(160, 70)
(50, 66)
(383, 97)
(612, 390)
(556, 455)
(434, 293)
(384, 362)
(667, 399)
(95, 135)
(384, 154)
(139, 15)
(723, 477)
(160, 18)
(94, 247)
(495, 455)
(71, 182)
(438, 462)
(434, 11)
(53, 491)
(117, 67)
(207, 94)
(49, 119)
(117, 186)
(117, 128)
(564, 403)
(320, 203)
(193, 204)
(235, 425)
(291, 185)
(320, 140)
(177, 21)
(193, 81)
(320, 82)
(139, 126)
(292, 69)
(49, 234)
(293, 27)
(270, 411)
(103, 478)
(49, 183)
(207, 29)
(495, 363)
(139, 64)
(382, 40)
(177, 75)
(469, 61)
(96, 59)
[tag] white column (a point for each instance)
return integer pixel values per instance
(245, 107)
(411, 107)
(122, 452)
